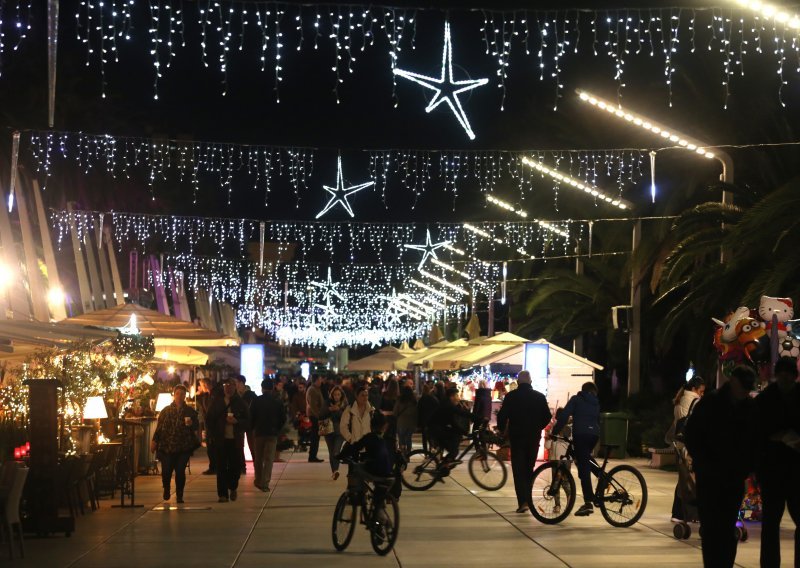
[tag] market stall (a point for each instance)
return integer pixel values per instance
(383, 360)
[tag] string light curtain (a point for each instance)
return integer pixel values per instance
(550, 40)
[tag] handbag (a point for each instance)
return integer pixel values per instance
(325, 427)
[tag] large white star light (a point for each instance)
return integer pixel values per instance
(428, 249)
(340, 193)
(446, 90)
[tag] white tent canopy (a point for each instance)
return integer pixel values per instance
(383, 360)
(421, 357)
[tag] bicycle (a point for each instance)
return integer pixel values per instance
(424, 468)
(621, 493)
(381, 522)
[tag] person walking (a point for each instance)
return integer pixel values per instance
(391, 391)
(482, 405)
(778, 468)
(228, 420)
(524, 414)
(174, 440)
(248, 396)
(267, 417)
(584, 408)
(426, 408)
(683, 405)
(405, 414)
(336, 407)
(315, 409)
(354, 423)
(203, 399)
(720, 437)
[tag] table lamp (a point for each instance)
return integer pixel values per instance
(95, 409)
(164, 400)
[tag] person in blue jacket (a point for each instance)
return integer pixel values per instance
(584, 408)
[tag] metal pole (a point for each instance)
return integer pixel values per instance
(577, 343)
(635, 335)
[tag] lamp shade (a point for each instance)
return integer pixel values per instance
(164, 400)
(95, 408)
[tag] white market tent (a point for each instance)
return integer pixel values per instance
(421, 357)
(383, 360)
(474, 352)
(566, 370)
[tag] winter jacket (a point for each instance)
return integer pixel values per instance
(217, 415)
(585, 411)
(315, 402)
(426, 408)
(172, 435)
(525, 413)
(482, 407)
(778, 412)
(354, 425)
(406, 415)
(720, 436)
(267, 415)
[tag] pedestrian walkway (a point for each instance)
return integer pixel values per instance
(454, 523)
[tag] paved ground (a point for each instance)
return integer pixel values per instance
(451, 524)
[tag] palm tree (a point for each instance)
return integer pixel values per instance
(759, 238)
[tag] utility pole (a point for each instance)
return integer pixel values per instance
(635, 334)
(577, 343)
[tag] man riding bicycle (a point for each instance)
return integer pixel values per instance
(448, 424)
(584, 408)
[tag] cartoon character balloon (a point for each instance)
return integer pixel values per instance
(737, 338)
(782, 310)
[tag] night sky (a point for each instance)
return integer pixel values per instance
(190, 106)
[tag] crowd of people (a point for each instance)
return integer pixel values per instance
(726, 436)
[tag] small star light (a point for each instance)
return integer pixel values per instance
(340, 193)
(446, 89)
(428, 249)
(328, 289)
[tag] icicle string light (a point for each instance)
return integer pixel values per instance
(255, 168)
(552, 39)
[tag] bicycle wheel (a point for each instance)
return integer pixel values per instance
(344, 522)
(383, 531)
(487, 470)
(552, 493)
(420, 472)
(623, 496)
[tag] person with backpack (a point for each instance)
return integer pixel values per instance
(354, 423)
(584, 408)
(683, 405)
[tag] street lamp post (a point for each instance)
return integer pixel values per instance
(681, 141)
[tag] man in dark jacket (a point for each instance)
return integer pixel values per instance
(584, 408)
(267, 417)
(448, 424)
(482, 407)
(524, 413)
(248, 396)
(227, 422)
(778, 467)
(720, 439)
(426, 408)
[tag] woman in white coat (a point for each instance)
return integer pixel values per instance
(355, 421)
(684, 404)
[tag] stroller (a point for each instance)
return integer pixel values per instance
(687, 492)
(303, 425)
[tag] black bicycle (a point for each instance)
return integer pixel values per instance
(379, 511)
(621, 493)
(424, 468)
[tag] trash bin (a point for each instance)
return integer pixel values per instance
(614, 430)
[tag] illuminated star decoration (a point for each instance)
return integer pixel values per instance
(446, 89)
(428, 249)
(393, 310)
(328, 289)
(340, 193)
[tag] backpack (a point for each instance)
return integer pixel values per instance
(680, 424)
